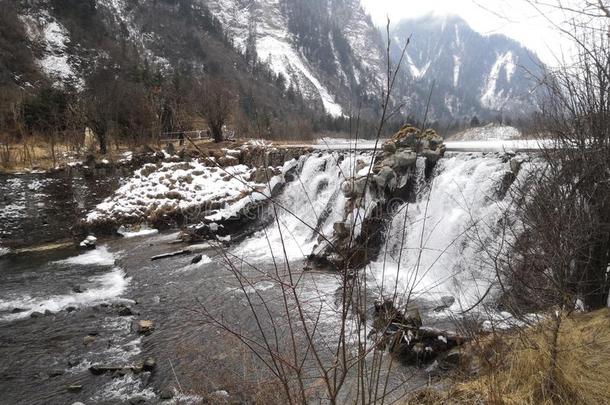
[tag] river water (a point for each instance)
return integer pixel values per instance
(60, 308)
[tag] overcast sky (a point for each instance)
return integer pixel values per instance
(514, 18)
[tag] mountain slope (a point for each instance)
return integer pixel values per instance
(328, 49)
(469, 73)
(311, 57)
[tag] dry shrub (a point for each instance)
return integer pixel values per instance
(515, 366)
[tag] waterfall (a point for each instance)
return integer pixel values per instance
(307, 208)
(428, 252)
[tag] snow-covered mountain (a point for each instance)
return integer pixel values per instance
(328, 49)
(469, 73)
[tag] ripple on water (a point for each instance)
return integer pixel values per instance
(104, 287)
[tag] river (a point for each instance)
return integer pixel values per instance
(62, 309)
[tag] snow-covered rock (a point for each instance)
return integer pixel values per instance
(171, 188)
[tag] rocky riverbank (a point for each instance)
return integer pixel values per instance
(206, 189)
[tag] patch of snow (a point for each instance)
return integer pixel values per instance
(457, 63)
(492, 97)
(192, 188)
(416, 71)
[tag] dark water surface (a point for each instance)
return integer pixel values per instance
(41, 207)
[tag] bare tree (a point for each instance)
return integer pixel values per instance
(215, 101)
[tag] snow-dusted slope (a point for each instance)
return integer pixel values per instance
(52, 37)
(265, 24)
(473, 74)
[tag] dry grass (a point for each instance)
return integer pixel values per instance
(515, 367)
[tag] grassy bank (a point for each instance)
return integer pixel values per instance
(516, 367)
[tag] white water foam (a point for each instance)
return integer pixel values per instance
(435, 257)
(123, 389)
(105, 287)
(313, 201)
(4, 251)
(100, 257)
(197, 266)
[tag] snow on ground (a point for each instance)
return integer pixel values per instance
(488, 133)
(55, 61)
(192, 189)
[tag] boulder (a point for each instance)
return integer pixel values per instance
(405, 137)
(73, 362)
(220, 395)
(386, 177)
(145, 326)
(404, 159)
(166, 394)
(389, 147)
(125, 311)
(453, 356)
(197, 259)
(149, 364)
(225, 161)
(89, 339)
(354, 187)
(262, 175)
(78, 289)
(56, 372)
(89, 242)
(433, 155)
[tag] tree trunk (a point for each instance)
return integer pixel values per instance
(217, 133)
(101, 137)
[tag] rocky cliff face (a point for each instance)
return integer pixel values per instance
(328, 49)
(470, 73)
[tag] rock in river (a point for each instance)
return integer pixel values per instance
(145, 327)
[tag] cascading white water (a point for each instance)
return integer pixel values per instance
(428, 253)
(309, 206)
